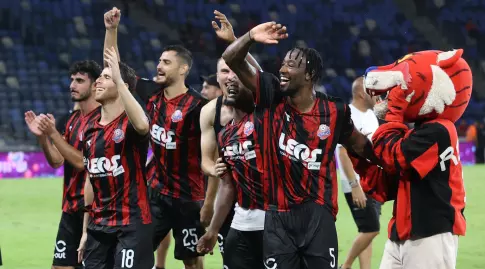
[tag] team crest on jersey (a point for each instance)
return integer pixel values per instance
(177, 116)
(248, 128)
(323, 131)
(118, 136)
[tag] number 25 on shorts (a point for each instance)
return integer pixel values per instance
(190, 238)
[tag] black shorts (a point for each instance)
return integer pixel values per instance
(244, 250)
(304, 237)
(366, 219)
(224, 230)
(183, 218)
(119, 247)
(68, 238)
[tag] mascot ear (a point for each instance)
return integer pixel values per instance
(449, 58)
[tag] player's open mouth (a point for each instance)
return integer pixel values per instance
(99, 89)
(284, 81)
(231, 92)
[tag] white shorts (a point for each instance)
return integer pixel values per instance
(437, 252)
(247, 220)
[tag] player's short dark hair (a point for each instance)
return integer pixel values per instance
(182, 53)
(88, 67)
(314, 62)
(128, 75)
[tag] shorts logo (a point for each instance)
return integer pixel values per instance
(323, 131)
(270, 263)
(118, 136)
(177, 116)
(60, 248)
(220, 240)
(248, 128)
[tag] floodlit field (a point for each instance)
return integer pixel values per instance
(30, 212)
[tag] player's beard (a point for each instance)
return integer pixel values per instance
(82, 97)
(381, 109)
(168, 81)
(241, 102)
(289, 91)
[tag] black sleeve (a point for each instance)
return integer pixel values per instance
(145, 88)
(420, 147)
(400, 148)
(347, 125)
(268, 90)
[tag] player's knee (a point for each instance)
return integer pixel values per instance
(373, 234)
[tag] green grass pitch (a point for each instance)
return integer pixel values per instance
(30, 212)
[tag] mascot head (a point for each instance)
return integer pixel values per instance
(441, 81)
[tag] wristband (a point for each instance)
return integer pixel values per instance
(250, 37)
(88, 208)
(354, 183)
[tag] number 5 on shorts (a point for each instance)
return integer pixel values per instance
(331, 251)
(127, 258)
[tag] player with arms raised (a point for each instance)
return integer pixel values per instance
(119, 232)
(240, 147)
(305, 129)
(177, 188)
(83, 76)
(216, 114)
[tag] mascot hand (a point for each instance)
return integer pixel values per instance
(397, 102)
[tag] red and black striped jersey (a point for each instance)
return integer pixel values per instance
(430, 193)
(303, 145)
(115, 157)
(151, 168)
(73, 191)
(240, 146)
(175, 140)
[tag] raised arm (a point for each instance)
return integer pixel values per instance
(134, 111)
(111, 22)
(226, 33)
(235, 54)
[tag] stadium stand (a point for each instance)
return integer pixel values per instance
(39, 40)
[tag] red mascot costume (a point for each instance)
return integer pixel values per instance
(430, 89)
